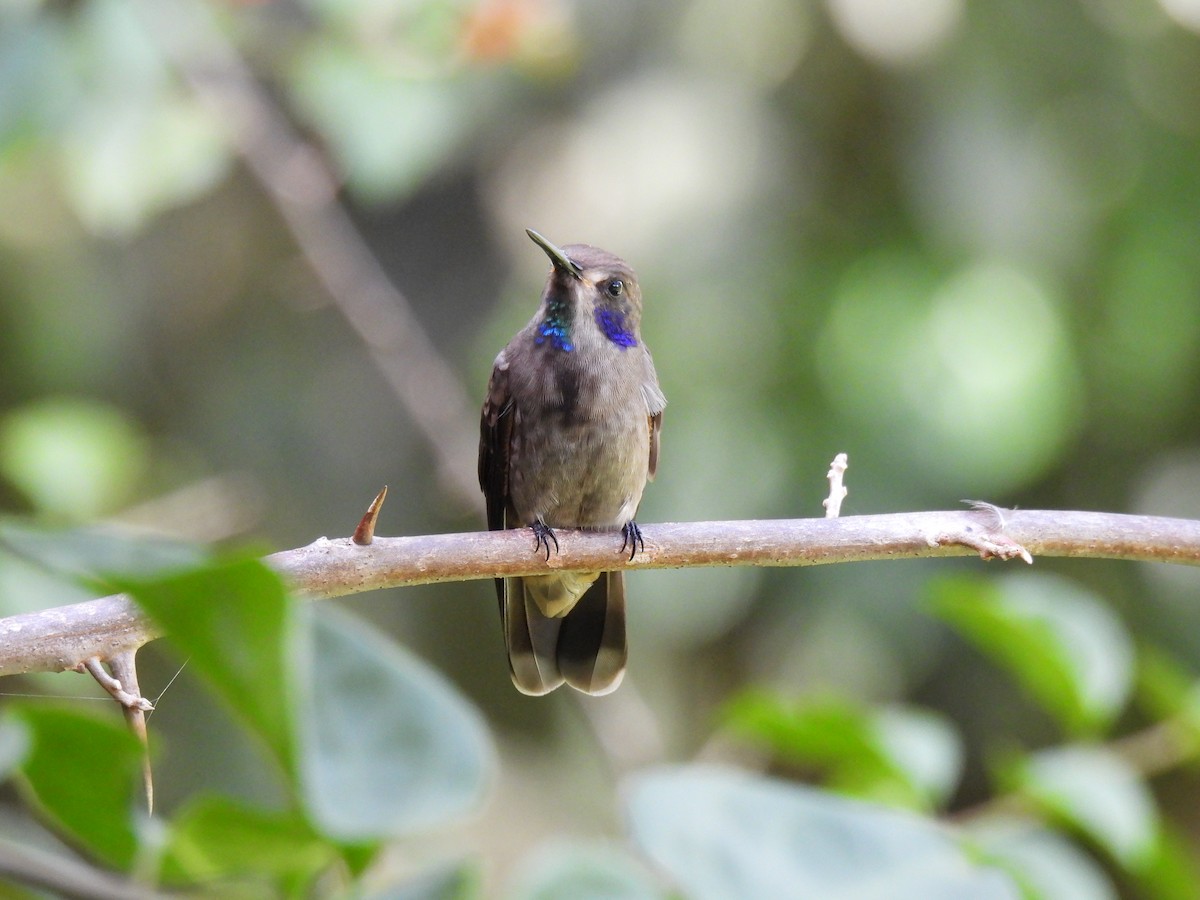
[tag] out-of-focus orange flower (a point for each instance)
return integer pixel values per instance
(495, 29)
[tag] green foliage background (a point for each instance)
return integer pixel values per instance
(956, 241)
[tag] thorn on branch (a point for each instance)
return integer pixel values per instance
(122, 684)
(365, 532)
(837, 490)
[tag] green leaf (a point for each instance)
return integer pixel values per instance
(388, 132)
(1170, 872)
(388, 746)
(43, 567)
(898, 756)
(84, 553)
(1164, 686)
(14, 746)
(1044, 863)
(1065, 647)
(573, 871)
(82, 772)
(924, 747)
(217, 838)
(1167, 690)
(74, 459)
(720, 833)
(234, 622)
(822, 731)
(1097, 792)
(136, 142)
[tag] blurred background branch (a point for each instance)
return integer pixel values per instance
(298, 182)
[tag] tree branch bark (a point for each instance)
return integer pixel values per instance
(65, 637)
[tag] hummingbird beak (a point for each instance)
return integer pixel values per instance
(561, 261)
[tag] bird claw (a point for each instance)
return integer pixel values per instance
(543, 535)
(633, 538)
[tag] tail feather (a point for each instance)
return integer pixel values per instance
(531, 639)
(591, 645)
(586, 647)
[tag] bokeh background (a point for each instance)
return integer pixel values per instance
(958, 241)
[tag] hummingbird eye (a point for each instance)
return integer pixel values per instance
(615, 287)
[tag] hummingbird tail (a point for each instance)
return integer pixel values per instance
(585, 648)
(531, 639)
(591, 643)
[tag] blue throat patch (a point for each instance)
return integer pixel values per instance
(558, 334)
(556, 327)
(612, 323)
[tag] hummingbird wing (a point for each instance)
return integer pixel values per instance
(655, 428)
(656, 402)
(495, 444)
(529, 637)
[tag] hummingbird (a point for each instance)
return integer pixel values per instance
(569, 439)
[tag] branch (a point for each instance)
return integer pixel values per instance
(65, 637)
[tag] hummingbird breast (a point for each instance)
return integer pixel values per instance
(581, 445)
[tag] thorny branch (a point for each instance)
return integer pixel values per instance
(64, 637)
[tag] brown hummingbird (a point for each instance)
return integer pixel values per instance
(568, 439)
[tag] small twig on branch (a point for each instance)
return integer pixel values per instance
(114, 685)
(837, 490)
(62, 638)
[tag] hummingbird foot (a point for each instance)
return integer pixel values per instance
(633, 538)
(543, 536)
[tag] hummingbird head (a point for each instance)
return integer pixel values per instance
(588, 281)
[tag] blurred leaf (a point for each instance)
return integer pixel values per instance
(14, 745)
(820, 731)
(1097, 792)
(72, 458)
(82, 772)
(85, 553)
(1147, 312)
(566, 871)
(721, 833)
(1069, 652)
(389, 131)
(136, 144)
(215, 838)
(895, 756)
(126, 162)
(978, 364)
(925, 747)
(461, 881)
(42, 567)
(1171, 872)
(233, 620)
(1166, 690)
(388, 746)
(1164, 687)
(1044, 863)
(35, 64)
(426, 29)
